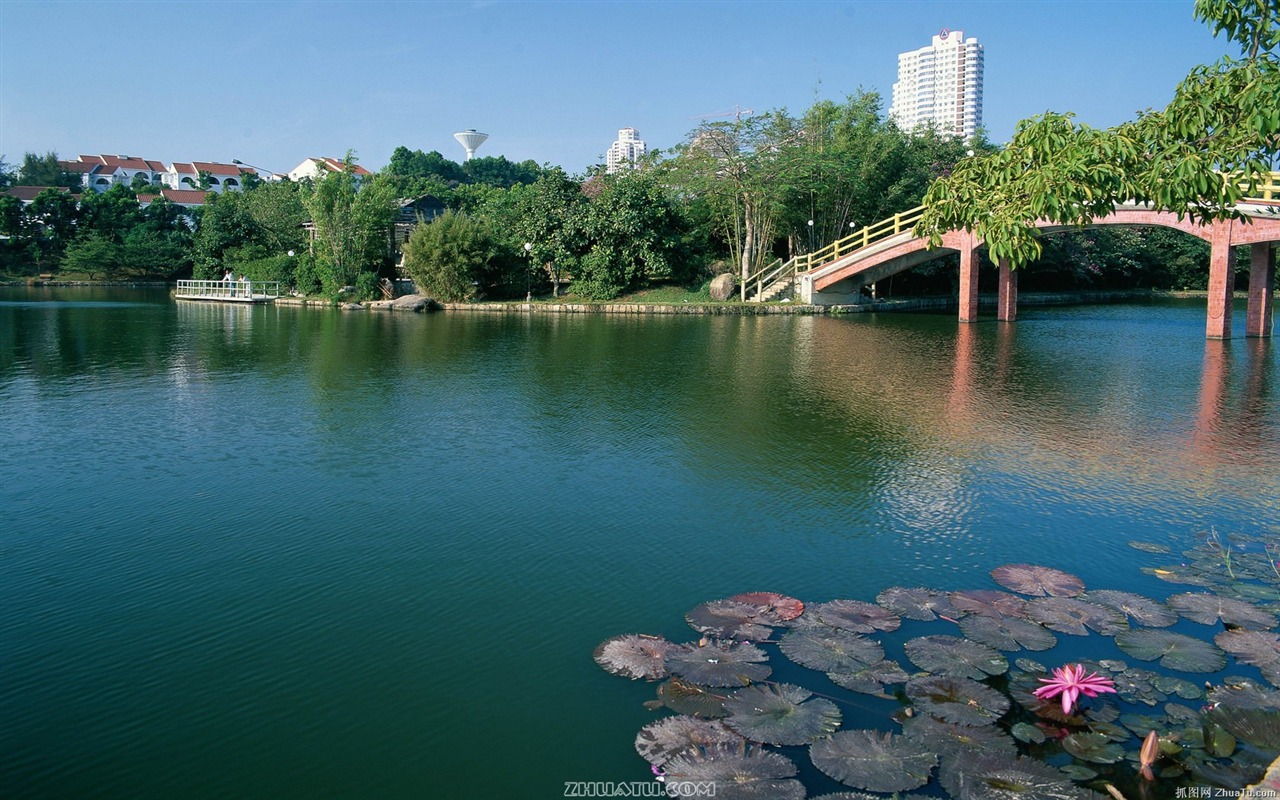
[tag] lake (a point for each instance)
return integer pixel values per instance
(284, 552)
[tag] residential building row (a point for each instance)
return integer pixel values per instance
(101, 172)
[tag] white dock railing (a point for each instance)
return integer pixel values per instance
(238, 291)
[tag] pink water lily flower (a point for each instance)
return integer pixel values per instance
(1071, 682)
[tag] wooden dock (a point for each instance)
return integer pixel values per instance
(229, 291)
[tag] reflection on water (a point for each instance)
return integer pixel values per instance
(320, 553)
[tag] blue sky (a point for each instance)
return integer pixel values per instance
(273, 82)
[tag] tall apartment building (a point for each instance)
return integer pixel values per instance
(942, 84)
(626, 151)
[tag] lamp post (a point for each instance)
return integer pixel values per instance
(528, 271)
(810, 223)
(257, 171)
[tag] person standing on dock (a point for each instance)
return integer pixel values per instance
(229, 279)
(248, 287)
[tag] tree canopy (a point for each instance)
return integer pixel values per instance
(1198, 157)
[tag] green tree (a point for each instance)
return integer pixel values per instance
(636, 236)
(740, 173)
(111, 214)
(550, 219)
(352, 224)
(50, 226)
(1197, 157)
(447, 257)
(45, 171)
(94, 255)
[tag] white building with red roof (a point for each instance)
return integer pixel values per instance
(314, 168)
(101, 172)
(220, 177)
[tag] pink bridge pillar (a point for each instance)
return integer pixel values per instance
(1008, 310)
(1222, 282)
(1262, 280)
(968, 282)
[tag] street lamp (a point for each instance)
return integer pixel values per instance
(256, 170)
(528, 270)
(810, 236)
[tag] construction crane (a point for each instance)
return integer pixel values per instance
(736, 112)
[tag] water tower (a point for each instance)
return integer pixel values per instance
(471, 140)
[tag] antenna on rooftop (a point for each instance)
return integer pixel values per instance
(471, 140)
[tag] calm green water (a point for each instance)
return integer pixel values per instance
(273, 552)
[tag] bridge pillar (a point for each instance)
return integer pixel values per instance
(1262, 279)
(1008, 309)
(1222, 282)
(968, 282)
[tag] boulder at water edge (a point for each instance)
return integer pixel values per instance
(722, 286)
(412, 302)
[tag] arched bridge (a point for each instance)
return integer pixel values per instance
(835, 274)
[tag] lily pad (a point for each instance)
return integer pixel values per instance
(659, 742)
(1178, 574)
(921, 604)
(727, 619)
(1026, 732)
(957, 700)
(1257, 726)
(949, 738)
(684, 697)
(635, 655)
(737, 773)
(774, 606)
(1209, 609)
(1174, 650)
(948, 655)
(1142, 610)
(781, 714)
(1003, 777)
(1095, 748)
(871, 679)
(1258, 648)
(873, 761)
(830, 650)
(856, 616)
(1069, 615)
(1007, 633)
(989, 603)
(720, 663)
(1037, 581)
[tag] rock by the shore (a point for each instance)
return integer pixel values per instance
(722, 286)
(351, 307)
(412, 302)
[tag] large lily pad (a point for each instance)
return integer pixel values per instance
(957, 700)
(830, 650)
(856, 616)
(1142, 610)
(874, 761)
(949, 655)
(684, 697)
(781, 714)
(1069, 615)
(921, 604)
(1007, 633)
(989, 603)
(635, 655)
(727, 619)
(1257, 726)
(659, 742)
(737, 773)
(1258, 648)
(720, 663)
(1210, 609)
(1003, 777)
(1037, 581)
(1174, 650)
(949, 738)
(871, 679)
(773, 606)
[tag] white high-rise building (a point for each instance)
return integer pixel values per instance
(942, 84)
(626, 151)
